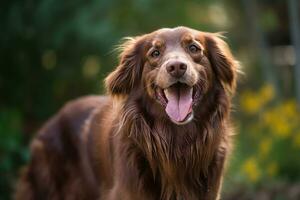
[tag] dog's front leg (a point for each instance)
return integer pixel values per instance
(215, 176)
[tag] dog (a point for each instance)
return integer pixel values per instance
(163, 131)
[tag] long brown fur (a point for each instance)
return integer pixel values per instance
(124, 147)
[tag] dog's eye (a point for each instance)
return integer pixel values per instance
(155, 53)
(193, 48)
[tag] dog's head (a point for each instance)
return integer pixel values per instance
(175, 67)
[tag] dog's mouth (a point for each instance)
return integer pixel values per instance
(178, 100)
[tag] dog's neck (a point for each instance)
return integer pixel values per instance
(177, 154)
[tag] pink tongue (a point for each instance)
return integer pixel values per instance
(179, 102)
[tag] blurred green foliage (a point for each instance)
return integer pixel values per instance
(265, 163)
(13, 151)
(53, 51)
(269, 143)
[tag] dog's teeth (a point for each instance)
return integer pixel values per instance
(191, 91)
(167, 93)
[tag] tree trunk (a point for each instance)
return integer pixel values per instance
(293, 6)
(252, 15)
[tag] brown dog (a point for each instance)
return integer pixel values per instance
(163, 131)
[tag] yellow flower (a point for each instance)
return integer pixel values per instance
(272, 169)
(296, 140)
(282, 128)
(250, 103)
(267, 93)
(265, 146)
(283, 119)
(251, 170)
(268, 118)
(290, 109)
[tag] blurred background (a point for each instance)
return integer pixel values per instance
(53, 51)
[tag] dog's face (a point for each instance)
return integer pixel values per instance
(175, 67)
(176, 71)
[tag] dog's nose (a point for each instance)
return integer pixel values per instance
(176, 68)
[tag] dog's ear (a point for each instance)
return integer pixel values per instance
(128, 74)
(223, 63)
